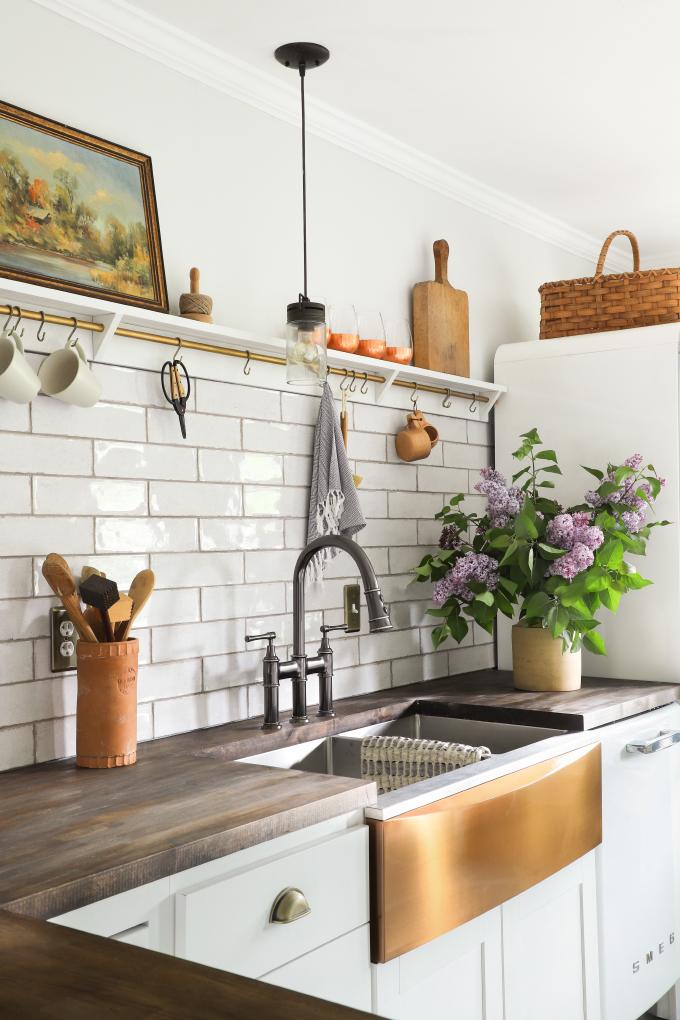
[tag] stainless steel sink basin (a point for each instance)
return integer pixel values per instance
(340, 754)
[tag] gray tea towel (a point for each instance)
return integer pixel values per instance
(334, 507)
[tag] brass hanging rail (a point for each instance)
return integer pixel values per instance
(230, 352)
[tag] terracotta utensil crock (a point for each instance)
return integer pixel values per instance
(415, 442)
(106, 714)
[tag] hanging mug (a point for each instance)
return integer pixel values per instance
(18, 381)
(415, 442)
(66, 375)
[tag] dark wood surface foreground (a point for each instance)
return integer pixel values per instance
(47, 971)
(71, 836)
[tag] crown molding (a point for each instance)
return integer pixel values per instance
(158, 40)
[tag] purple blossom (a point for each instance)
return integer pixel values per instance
(568, 530)
(633, 520)
(503, 501)
(471, 567)
(450, 538)
(635, 461)
(578, 559)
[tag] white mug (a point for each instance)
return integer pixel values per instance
(65, 375)
(18, 381)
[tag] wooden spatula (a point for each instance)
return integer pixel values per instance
(57, 573)
(140, 593)
(89, 572)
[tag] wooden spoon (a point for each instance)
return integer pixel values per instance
(89, 572)
(140, 592)
(57, 573)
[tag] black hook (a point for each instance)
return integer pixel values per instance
(177, 356)
(41, 335)
(353, 384)
(364, 385)
(414, 397)
(343, 384)
(246, 367)
(16, 325)
(9, 318)
(75, 327)
(473, 404)
(446, 402)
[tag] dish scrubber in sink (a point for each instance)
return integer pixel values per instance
(395, 762)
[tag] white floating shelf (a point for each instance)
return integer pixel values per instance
(115, 316)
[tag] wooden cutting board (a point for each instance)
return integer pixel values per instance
(440, 321)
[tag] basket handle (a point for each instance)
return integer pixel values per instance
(605, 248)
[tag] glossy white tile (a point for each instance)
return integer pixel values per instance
(169, 606)
(15, 494)
(17, 662)
(15, 577)
(16, 747)
(194, 499)
(447, 480)
(41, 699)
(261, 565)
(237, 401)
(28, 454)
(211, 430)
(275, 501)
(120, 568)
(142, 460)
(186, 570)
(89, 496)
(392, 477)
(407, 505)
(228, 602)
(277, 436)
(104, 421)
(177, 715)
(169, 680)
(193, 640)
(297, 470)
(23, 536)
(145, 534)
(239, 466)
(219, 534)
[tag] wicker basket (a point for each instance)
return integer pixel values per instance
(595, 304)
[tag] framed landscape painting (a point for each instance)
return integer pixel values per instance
(77, 212)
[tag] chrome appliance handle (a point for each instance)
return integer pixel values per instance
(666, 738)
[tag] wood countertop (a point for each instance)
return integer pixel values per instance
(51, 972)
(71, 836)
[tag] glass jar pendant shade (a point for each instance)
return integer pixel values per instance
(306, 332)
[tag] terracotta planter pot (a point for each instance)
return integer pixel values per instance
(539, 664)
(106, 720)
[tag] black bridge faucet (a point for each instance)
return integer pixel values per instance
(299, 667)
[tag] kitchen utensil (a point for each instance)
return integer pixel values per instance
(440, 321)
(66, 375)
(177, 396)
(18, 381)
(121, 610)
(372, 340)
(344, 428)
(140, 592)
(196, 305)
(58, 575)
(101, 594)
(94, 619)
(343, 328)
(415, 442)
(89, 571)
(399, 347)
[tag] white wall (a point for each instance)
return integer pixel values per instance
(227, 181)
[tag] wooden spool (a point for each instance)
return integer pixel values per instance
(195, 305)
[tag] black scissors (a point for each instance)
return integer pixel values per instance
(178, 395)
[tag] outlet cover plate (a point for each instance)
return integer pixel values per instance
(62, 634)
(352, 601)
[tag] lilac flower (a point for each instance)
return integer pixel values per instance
(450, 538)
(568, 530)
(578, 559)
(635, 461)
(560, 531)
(503, 501)
(471, 567)
(633, 520)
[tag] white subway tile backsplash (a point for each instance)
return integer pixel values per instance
(388, 532)
(393, 477)
(194, 499)
(446, 480)
(193, 640)
(219, 534)
(211, 430)
(238, 466)
(390, 645)
(22, 536)
(177, 715)
(281, 437)
(297, 470)
(27, 454)
(462, 660)
(14, 417)
(24, 618)
(275, 501)
(386, 420)
(238, 401)
(16, 747)
(479, 433)
(374, 676)
(461, 455)
(233, 670)
(196, 569)
(406, 505)
(298, 408)
(15, 494)
(231, 601)
(145, 534)
(296, 533)
(170, 606)
(42, 699)
(262, 565)
(405, 558)
(104, 421)
(133, 386)
(55, 738)
(141, 460)
(451, 430)
(89, 496)
(17, 662)
(15, 577)
(169, 680)
(416, 668)
(367, 446)
(120, 568)
(373, 503)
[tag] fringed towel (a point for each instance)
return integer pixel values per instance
(334, 507)
(395, 762)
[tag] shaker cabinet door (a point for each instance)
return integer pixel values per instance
(550, 952)
(458, 975)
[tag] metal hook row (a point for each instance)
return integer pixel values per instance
(353, 384)
(446, 402)
(41, 334)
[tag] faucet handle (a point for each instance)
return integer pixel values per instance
(269, 637)
(325, 631)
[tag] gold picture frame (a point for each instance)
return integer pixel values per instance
(78, 212)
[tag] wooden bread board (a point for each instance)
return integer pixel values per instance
(440, 321)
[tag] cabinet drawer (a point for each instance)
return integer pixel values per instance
(226, 923)
(338, 972)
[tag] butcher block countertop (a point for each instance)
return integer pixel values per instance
(69, 837)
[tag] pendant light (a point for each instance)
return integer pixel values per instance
(306, 320)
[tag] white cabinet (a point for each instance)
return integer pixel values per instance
(550, 958)
(534, 957)
(457, 975)
(340, 971)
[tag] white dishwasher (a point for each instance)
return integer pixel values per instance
(639, 862)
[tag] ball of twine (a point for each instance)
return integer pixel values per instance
(200, 303)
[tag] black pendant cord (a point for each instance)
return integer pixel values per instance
(304, 178)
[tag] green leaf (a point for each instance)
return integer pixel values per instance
(458, 627)
(546, 455)
(532, 435)
(440, 634)
(524, 524)
(607, 489)
(546, 485)
(486, 597)
(610, 598)
(595, 472)
(510, 552)
(622, 473)
(537, 605)
(551, 469)
(594, 642)
(550, 551)
(522, 471)
(637, 581)
(508, 585)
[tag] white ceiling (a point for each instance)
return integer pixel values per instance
(569, 108)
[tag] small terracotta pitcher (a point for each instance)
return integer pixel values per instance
(416, 441)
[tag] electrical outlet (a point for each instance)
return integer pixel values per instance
(63, 640)
(352, 600)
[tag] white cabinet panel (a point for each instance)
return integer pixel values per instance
(457, 976)
(550, 956)
(339, 972)
(225, 923)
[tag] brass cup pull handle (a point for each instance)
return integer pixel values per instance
(290, 905)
